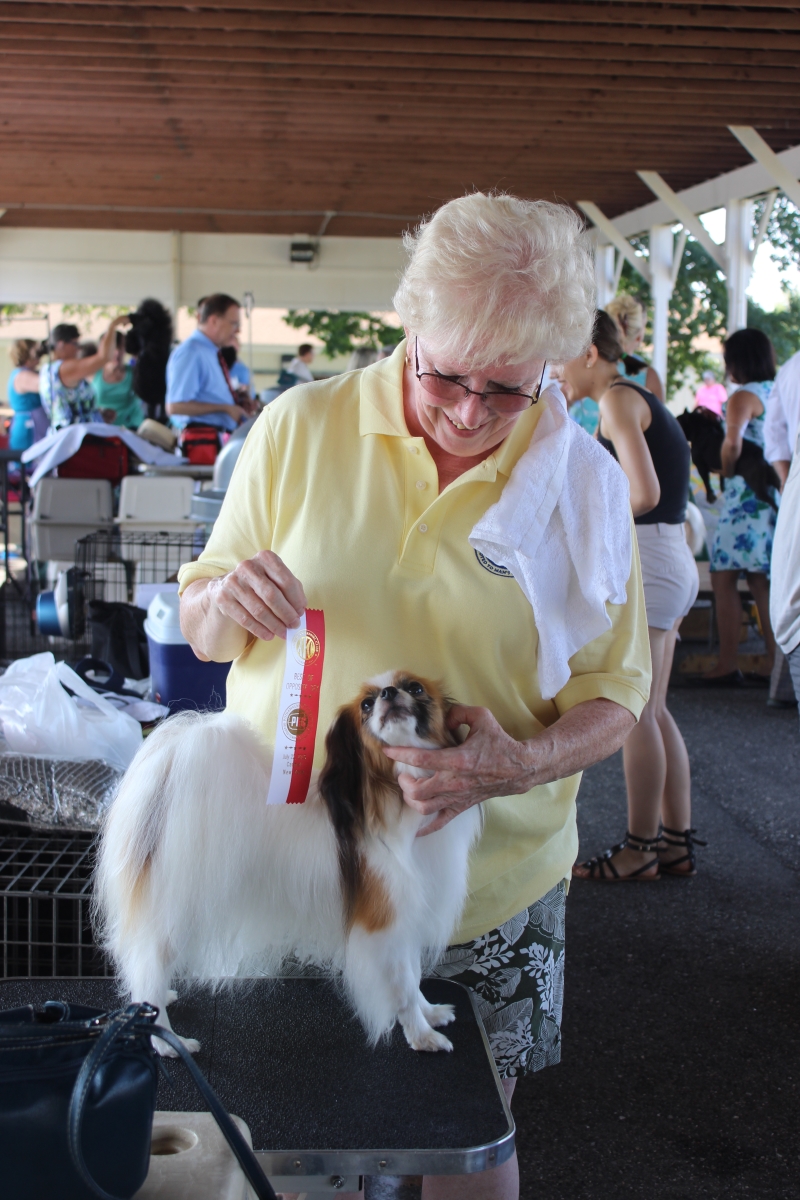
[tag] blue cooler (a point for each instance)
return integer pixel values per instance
(180, 679)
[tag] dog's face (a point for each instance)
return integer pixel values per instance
(400, 709)
(358, 782)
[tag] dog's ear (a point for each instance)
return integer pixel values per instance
(341, 785)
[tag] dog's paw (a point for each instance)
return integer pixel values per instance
(172, 996)
(438, 1015)
(429, 1039)
(166, 1051)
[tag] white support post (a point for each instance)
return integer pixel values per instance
(175, 272)
(604, 273)
(661, 250)
(738, 229)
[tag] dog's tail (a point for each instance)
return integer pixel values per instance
(160, 795)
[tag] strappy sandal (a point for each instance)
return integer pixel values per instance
(598, 865)
(687, 841)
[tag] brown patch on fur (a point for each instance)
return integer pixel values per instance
(358, 785)
(373, 910)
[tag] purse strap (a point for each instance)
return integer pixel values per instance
(137, 1018)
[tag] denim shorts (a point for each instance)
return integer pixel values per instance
(516, 973)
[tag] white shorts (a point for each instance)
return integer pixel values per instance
(669, 573)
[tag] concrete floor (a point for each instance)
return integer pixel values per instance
(681, 1060)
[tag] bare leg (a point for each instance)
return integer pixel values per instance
(759, 586)
(729, 621)
(676, 804)
(645, 760)
(500, 1184)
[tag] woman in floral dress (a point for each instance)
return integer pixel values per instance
(743, 540)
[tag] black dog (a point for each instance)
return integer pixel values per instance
(150, 341)
(705, 434)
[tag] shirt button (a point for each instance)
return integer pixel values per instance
(423, 528)
(421, 484)
(413, 449)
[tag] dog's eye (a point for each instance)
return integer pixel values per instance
(414, 689)
(368, 704)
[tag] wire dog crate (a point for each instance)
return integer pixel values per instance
(112, 564)
(45, 887)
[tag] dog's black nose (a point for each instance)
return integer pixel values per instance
(388, 693)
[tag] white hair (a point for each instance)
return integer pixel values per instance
(495, 279)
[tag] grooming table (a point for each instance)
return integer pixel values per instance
(289, 1058)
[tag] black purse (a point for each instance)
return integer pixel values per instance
(77, 1095)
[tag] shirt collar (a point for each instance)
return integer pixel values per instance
(199, 336)
(382, 413)
(382, 396)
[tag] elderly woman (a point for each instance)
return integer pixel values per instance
(357, 495)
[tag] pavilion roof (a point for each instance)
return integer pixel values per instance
(271, 115)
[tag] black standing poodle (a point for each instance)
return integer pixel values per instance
(149, 340)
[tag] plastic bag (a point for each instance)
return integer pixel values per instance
(40, 717)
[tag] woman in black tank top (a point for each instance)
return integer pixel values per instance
(653, 452)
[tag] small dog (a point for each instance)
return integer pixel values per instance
(705, 433)
(149, 340)
(198, 877)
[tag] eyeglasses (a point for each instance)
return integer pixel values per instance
(448, 389)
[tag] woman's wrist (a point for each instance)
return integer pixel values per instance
(211, 633)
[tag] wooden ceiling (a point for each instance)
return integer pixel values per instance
(265, 115)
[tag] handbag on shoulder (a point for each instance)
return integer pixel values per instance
(77, 1096)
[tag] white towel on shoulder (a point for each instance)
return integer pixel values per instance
(562, 527)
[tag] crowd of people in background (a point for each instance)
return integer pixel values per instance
(615, 395)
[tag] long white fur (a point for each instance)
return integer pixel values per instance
(235, 885)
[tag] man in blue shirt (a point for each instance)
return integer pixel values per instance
(198, 389)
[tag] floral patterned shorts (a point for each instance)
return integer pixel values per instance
(517, 975)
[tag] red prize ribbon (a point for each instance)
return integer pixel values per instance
(312, 650)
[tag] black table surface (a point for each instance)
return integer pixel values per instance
(289, 1058)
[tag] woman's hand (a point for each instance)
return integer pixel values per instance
(259, 598)
(261, 594)
(489, 763)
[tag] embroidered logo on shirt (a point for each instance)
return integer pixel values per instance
(492, 567)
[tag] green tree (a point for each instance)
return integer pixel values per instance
(9, 311)
(699, 303)
(343, 332)
(782, 326)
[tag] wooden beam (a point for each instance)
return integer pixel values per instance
(684, 214)
(755, 145)
(251, 52)
(262, 63)
(499, 12)
(612, 234)
(410, 28)
(20, 33)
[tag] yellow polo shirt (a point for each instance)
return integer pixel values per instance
(331, 481)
